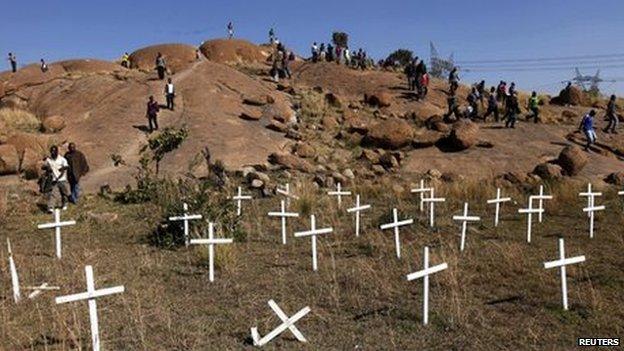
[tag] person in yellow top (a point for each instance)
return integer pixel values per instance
(533, 106)
(125, 60)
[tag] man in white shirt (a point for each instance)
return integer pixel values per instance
(56, 167)
(169, 94)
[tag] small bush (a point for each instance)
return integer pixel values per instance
(402, 56)
(18, 120)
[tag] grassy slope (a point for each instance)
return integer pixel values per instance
(495, 295)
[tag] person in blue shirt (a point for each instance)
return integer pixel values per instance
(587, 126)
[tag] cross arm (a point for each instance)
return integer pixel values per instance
(564, 262)
(428, 271)
(88, 295)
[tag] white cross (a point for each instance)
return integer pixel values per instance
(421, 190)
(357, 209)
(562, 262)
(239, 200)
(283, 214)
(313, 232)
(339, 193)
(287, 323)
(530, 211)
(432, 200)
(465, 219)
(14, 277)
(395, 225)
(424, 273)
(57, 224)
(541, 197)
(590, 210)
(498, 202)
(91, 294)
(185, 218)
(286, 192)
(591, 197)
(37, 290)
(211, 242)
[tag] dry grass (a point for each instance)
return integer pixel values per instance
(495, 295)
(19, 120)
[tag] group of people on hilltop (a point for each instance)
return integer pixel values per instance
(61, 176)
(339, 55)
(281, 60)
(417, 77)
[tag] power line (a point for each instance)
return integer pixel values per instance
(542, 59)
(530, 69)
(551, 63)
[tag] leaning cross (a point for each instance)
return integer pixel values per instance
(57, 224)
(37, 290)
(465, 219)
(591, 196)
(562, 262)
(185, 218)
(530, 211)
(91, 294)
(432, 200)
(239, 200)
(541, 197)
(211, 242)
(313, 232)
(287, 323)
(286, 192)
(339, 193)
(395, 224)
(424, 273)
(498, 202)
(421, 191)
(357, 209)
(283, 215)
(14, 277)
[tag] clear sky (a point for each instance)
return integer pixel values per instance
(473, 30)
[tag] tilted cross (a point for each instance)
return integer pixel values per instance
(287, 323)
(591, 196)
(465, 219)
(339, 193)
(239, 199)
(498, 201)
(286, 192)
(283, 215)
(424, 273)
(562, 262)
(185, 218)
(541, 197)
(395, 224)
(312, 233)
(57, 225)
(14, 277)
(357, 209)
(211, 241)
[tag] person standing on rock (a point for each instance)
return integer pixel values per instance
(492, 105)
(410, 71)
(271, 36)
(453, 79)
(13, 62)
(152, 114)
(161, 66)
(315, 52)
(56, 167)
(513, 109)
(533, 106)
(587, 127)
(43, 66)
(612, 116)
(78, 167)
(230, 29)
(169, 94)
(125, 60)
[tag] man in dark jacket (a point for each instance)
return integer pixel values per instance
(78, 167)
(152, 114)
(492, 105)
(513, 109)
(612, 116)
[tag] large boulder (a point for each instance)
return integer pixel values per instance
(464, 134)
(30, 164)
(9, 160)
(392, 133)
(572, 159)
(616, 178)
(53, 124)
(233, 51)
(427, 138)
(548, 171)
(177, 57)
(289, 161)
(572, 96)
(379, 99)
(280, 111)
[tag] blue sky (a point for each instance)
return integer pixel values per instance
(473, 30)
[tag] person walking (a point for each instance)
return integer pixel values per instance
(161, 66)
(533, 106)
(230, 30)
(472, 99)
(453, 79)
(169, 94)
(481, 92)
(56, 167)
(492, 105)
(78, 167)
(125, 60)
(453, 109)
(43, 65)
(13, 62)
(315, 52)
(587, 127)
(512, 111)
(501, 91)
(612, 116)
(152, 113)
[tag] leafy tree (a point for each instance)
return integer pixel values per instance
(166, 141)
(402, 56)
(340, 39)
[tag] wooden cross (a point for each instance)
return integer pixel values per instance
(90, 295)
(185, 218)
(498, 202)
(37, 290)
(339, 193)
(211, 241)
(541, 197)
(313, 232)
(590, 210)
(287, 323)
(283, 214)
(465, 219)
(424, 273)
(286, 192)
(432, 200)
(357, 209)
(57, 225)
(529, 212)
(591, 196)
(421, 191)
(395, 224)
(14, 277)
(562, 262)
(239, 201)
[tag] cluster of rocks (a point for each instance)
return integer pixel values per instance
(570, 162)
